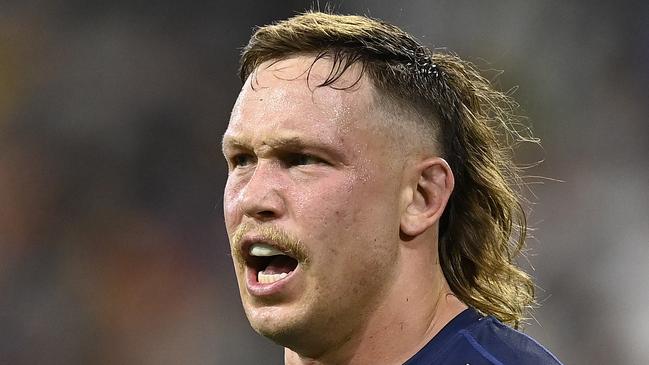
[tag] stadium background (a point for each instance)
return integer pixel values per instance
(112, 246)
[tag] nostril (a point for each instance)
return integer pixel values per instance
(262, 202)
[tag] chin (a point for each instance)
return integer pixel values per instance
(271, 322)
(280, 325)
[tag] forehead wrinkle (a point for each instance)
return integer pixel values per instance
(291, 141)
(274, 142)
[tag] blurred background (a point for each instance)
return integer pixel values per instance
(112, 245)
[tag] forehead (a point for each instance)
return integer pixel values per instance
(284, 95)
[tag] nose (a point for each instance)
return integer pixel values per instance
(261, 198)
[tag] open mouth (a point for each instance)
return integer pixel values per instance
(269, 264)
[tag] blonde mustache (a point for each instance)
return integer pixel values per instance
(281, 239)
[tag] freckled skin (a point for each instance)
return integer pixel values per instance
(344, 211)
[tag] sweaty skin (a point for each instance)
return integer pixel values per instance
(317, 167)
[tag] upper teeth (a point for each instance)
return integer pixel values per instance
(262, 249)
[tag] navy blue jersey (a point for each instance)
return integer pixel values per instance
(472, 339)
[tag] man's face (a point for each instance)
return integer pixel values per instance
(311, 203)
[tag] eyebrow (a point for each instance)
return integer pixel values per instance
(278, 142)
(229, 141)
(291, 142)
(287, 143)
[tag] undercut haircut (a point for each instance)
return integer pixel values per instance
(483, 228)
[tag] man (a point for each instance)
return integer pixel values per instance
(368, 200)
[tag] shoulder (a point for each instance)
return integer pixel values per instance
(473, 339)
(500, 344)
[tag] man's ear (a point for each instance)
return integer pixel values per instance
(430, 188)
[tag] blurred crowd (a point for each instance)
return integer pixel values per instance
(112, 246)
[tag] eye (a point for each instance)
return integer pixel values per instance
(299, 159)
(242, 160)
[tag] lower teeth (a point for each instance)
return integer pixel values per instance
(270, 278)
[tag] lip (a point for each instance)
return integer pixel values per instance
(258, 289)
(254, 287)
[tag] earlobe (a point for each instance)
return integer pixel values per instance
(430, 192)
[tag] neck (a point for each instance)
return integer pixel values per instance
(415, 308)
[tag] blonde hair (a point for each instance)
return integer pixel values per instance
(484, 226)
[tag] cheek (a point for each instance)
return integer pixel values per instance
(345, 213)
(231, 199)
(322, 205)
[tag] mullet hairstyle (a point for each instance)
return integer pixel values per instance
(484, 226)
